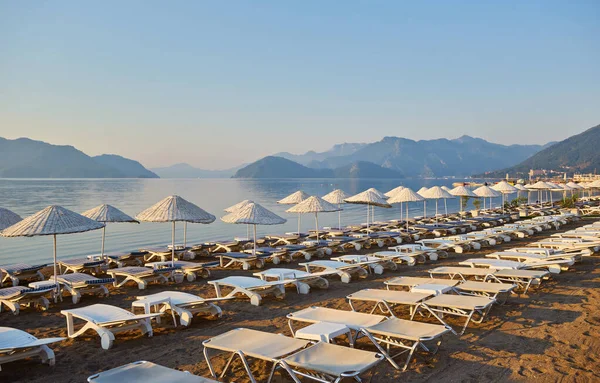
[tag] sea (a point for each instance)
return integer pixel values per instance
(27, 196)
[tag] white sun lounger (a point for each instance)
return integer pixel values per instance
(301, 280)
(530, 257)
(185, 305)
(383, 332)
(376, 264)
(233, 259)
(82, 265)
(474, 309)
(107, 320)
(245, 343)
(422, 252)
(17, 345)
(253, 288)
(146, 372)
(458, 247)
(494, 290)
(410, 282)
(344, 270)
(122, 259)
(386, 300)
(464, 273)
(522, 278)
(164, 253)
(78, 283)
(396, 257)
(191, 270)
(328, 363)
(141, 275)
(16, 296)
(554, 266)
(21, 272)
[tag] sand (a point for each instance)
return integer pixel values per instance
(552, 334)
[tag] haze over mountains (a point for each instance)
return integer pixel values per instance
(576, 154)
(26, 158)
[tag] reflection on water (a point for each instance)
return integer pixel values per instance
(26, 197)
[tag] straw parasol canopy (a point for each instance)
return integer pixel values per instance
(253, 214)
(504, 188)
(539, 186)
(238, 206)
(8, 218)
(337, 197)
(406, 195)
(422, 191)
(53, 220)
(107, 213)
(486, 191)
(369, 198)
(574, 185)
(175, 209)
(294, 199)
(437, 193)
(380, 194)
(315, 205)
(446, 188)
(462, 191)
(394, 191)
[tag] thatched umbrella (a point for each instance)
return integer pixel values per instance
(105, 214)
(380, 195)
(574, 186)
(504, 188)
(422, 191)
(446, 188)
(237, 207)
(437, 193)
(253, 214)
(8, 218)
(486, 191)
(521, 188)
(462, 191)
(315, 205)
(337, 197)
(369, 198)
(174, 209)
(406, 195)
(53, 220)
(294, 199)
(392, 193)
(539, 186)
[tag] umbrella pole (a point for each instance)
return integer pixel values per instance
(445, 207)
(184, 234)
(368, 218)
(254, 240)
(298, 224)
(406, 216)
(339, 217)
(55, 267)
(424, 209)
(436, 210)
(173, 245)
(103, 236)
(400, 211)
(317, 222)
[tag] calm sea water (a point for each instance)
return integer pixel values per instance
(26, 197)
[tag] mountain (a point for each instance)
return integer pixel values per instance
(311, 156)
(576, 154)
(26, 158)
(184, 170)
(433, 158)
(128, 168)
(363, 169)
(279, 167)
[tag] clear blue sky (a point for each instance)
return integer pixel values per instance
(222, 82)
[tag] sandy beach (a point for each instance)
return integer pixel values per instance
(552, 334)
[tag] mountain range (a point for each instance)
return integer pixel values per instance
(26, 158)
(576, 154)
(279, 167)
(459, 157)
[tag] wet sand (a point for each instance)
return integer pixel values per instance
(552, 334)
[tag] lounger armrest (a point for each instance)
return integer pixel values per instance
(101, 281)
(129, 319)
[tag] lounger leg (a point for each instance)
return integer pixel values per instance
(47, 355)
(14, 307)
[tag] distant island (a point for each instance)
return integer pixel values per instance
(576, 154)
(183, 170)
(279, 167)
(26, 158)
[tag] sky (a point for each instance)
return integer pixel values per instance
(219, 83)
